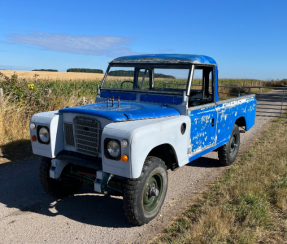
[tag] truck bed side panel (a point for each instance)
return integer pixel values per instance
(229, 112)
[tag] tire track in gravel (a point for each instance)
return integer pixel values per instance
(28, 215)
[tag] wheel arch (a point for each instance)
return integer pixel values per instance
(167, 153)
(241, 121)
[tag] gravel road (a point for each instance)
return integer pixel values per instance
(28, 215)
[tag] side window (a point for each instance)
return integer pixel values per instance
(196, 92)
(197, 79)
(201, 88)
(207, 83)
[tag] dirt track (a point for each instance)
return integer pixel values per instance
(28, 215)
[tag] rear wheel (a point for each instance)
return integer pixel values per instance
(144, 197)
(228, 152)
(54, 187)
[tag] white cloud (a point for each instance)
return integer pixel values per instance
(81, 44)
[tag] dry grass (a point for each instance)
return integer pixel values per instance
(14, 125)
(274, 83)
(14, 118)
(233, 92)
(248, 204)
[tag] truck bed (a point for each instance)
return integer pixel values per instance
(212, 123)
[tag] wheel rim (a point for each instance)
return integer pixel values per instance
(152, 192)
(233, 144)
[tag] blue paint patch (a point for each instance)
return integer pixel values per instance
(126, 111)
(202, 130)
(161, 99)
(122, 95)
(166, 58)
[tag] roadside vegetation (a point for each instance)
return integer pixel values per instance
(247, 204)
(23, 98)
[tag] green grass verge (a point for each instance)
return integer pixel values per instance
(248, 204)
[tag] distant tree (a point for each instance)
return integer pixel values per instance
(51, 70)
(84, 70)
(129, 73)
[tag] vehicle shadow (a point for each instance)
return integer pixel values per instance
(89, 208)
(21, 189)
(14, 151)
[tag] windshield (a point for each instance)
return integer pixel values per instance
(147, 79)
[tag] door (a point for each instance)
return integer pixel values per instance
(203, 129)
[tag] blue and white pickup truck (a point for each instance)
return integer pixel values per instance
(149, 120)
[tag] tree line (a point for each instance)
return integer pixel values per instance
(51, 70)
(84, 70)
(130, 73)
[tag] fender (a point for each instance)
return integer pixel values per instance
(143, 136)
(52, 120)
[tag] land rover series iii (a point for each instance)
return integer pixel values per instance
(141, 124)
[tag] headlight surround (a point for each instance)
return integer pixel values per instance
(43, 134)
(112, 149)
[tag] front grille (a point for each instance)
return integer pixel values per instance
(69, 134)
(87, 135)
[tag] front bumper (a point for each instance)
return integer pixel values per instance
(66, 157)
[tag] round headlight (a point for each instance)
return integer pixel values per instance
(32, 126)
(113, 148)
(44, 135)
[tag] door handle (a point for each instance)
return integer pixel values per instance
(212, 122)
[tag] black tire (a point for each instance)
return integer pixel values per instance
(140, 205)
(228, 152)
(56, 188)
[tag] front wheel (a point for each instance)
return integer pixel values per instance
(144, 197)
(228, 152)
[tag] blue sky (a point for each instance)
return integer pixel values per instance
(248, 39)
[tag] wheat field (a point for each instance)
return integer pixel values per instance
(53, 75)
